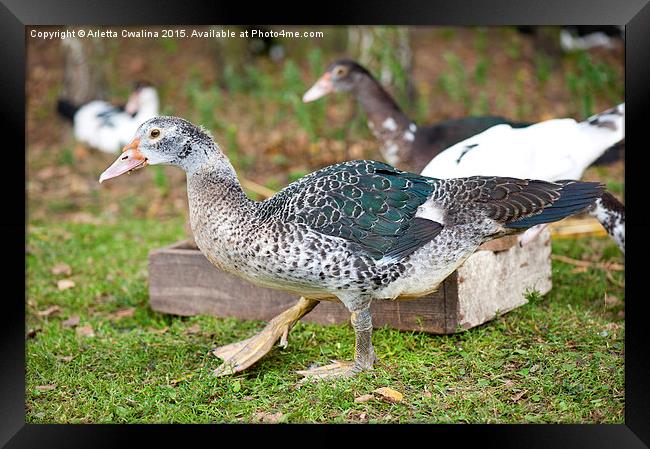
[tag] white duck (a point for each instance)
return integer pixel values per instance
(551, 150)
(107, 127)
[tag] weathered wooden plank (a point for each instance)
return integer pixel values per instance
(183, 282)
(482, 295)
(450, 325)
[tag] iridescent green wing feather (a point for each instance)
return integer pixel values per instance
(366, 202)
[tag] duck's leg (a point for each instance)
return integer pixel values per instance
(240, 355)
(364, 353)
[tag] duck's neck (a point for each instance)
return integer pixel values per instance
(394, 130)
(221, 215)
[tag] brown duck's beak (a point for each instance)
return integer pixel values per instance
(130, 159)
(322, 87)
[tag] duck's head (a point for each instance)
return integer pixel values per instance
(343, 75)
(165, 140)
(143, 97)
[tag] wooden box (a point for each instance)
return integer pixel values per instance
(491, 282)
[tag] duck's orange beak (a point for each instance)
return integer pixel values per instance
(322, 87)
(130, 159)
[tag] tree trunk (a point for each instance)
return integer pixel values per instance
(386, 52)
(83, 77)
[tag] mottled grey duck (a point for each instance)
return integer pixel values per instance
(351, 232)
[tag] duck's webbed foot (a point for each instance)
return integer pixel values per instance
(242, 354)
(364, 353)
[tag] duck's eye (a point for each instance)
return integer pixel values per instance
(154, 133)
(339, 71)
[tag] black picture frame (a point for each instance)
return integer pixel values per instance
(16, 15)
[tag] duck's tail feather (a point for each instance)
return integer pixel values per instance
(575, 197)
(66, 108)
(610, 212)
(601, 132)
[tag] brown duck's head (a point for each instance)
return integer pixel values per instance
(343, 75)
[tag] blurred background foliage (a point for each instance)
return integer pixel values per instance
(248, 94)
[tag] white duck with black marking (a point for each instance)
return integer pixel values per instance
(551, 150)
(107, 127)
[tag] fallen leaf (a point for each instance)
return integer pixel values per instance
(49, 311)
(67, 358)
(73, 321)
(508, 383)
(389, 394)
(194, 329)
(61, 268)
(46, 173)
(86, 331)
(123, 313)
(363, 398)
(175, 382)
(85, 218)
(65, 284)
(363, 416)
(427, 394)
(46, 387)
(516, 397)
(158, 331)
(269, 417)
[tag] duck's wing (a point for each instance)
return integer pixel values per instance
(368, 203)
(107, 116)
(512, 203)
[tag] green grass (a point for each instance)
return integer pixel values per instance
(557, 359)
(454, 83)
(590, 78)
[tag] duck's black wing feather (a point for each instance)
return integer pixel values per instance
(514, 203)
